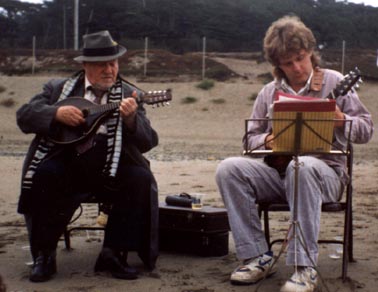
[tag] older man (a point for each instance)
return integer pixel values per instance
(108, 163)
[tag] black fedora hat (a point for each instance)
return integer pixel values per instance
(100, 46)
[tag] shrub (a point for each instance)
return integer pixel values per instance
(218, 100)
(189, 99)
(265, 77)
(252, 96)
(206, 84)
(9, 102)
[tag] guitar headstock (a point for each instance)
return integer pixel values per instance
(347, 83)
(157, 97)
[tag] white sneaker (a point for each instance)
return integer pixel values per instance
(304, 280)
(255, 270)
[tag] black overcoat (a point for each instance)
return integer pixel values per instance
(37, 117)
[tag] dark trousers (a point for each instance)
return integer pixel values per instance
(62, 182)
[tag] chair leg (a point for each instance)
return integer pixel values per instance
(350, 239)
(266, 228)
(67, 239)
(348, 242)
(346, 248)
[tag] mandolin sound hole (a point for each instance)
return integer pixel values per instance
(85, 112)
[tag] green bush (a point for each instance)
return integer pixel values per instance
(9, 102)
(189, 99)
(206, 84)
(218, 100)
(252, 96)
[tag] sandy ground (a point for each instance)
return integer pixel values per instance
(193, 139)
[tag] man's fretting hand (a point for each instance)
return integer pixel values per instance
(339, 115)
(128, 109)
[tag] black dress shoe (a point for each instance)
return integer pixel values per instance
(44, 267)
(109, 261)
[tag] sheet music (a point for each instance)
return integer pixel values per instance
(317, 123)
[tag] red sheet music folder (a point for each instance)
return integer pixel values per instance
(317, 127)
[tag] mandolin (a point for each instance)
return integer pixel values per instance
(96, 114)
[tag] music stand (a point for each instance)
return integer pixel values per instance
(297, 129)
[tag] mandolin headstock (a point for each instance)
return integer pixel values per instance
(157, 97)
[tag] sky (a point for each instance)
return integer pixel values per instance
(367, 2)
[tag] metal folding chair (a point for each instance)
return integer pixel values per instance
(343, 206)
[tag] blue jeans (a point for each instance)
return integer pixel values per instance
(244, 182)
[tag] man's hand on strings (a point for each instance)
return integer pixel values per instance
(269, 141)
(69, 115)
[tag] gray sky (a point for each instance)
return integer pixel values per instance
(367, 2)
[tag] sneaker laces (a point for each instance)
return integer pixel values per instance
(260, 261)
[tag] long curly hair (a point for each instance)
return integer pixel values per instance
(286, 36)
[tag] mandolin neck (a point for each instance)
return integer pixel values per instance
(103, 108)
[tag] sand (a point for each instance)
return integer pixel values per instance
(194, 138)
